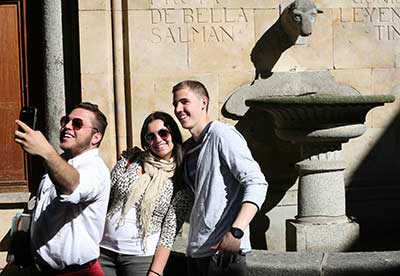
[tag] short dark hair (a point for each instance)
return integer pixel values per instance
(172, 126)
(101, 119)
(195, 86)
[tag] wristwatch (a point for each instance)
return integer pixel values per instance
(237, 232)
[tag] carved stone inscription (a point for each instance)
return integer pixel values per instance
(384, 16)
(198, 24)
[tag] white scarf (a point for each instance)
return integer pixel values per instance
(147, 188)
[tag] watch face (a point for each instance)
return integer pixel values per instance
(237, 232)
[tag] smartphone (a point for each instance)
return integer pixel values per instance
(28, 115)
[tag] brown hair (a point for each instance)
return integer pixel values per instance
(195, 86)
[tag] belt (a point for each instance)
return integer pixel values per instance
(109, 253)
(68, 269)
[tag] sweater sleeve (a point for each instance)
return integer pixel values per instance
(180, 205)
(234, 150)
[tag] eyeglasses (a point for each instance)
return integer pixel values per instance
(77, 123)
(162, 133)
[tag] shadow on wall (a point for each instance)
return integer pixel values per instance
(276, 158)
(373, 193)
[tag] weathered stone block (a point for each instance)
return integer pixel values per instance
(321, 237)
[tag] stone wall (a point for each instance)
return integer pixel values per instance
(134, 51)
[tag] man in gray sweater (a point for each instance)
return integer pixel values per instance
(227, 182)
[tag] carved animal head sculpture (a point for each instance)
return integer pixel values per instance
(300, 17)
(296, 20)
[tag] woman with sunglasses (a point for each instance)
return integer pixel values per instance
(147, 207)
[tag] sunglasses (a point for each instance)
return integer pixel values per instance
(163, 133)
(77, 123)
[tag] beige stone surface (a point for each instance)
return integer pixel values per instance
(384, 80)
(97, 88)
(157, 47)
(222, 46)
(263, 20)
(97, 72)
(95, 4)
(95, 41)
(228, 82)
(363, 40)
(359, 79)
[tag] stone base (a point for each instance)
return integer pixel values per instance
(310, 237)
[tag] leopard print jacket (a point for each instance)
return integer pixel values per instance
(170, 210)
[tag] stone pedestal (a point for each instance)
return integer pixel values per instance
(321, 223)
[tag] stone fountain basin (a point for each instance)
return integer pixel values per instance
(317, 117)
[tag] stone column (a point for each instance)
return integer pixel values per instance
(321, 194)
(54, 69)
(117, 16)
(321, 223)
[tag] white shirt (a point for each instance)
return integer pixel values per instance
(125, 238)
(67, 229)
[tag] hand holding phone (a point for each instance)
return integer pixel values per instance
(32, 142)
(28, 115)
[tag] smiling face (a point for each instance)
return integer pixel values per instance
(160, 143)
(75, 141)
(191, 110)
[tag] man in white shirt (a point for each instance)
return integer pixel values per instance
(68, 219)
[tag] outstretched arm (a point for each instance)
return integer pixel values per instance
(63, 175)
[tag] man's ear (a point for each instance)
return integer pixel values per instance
(96, 138)
(204, 101)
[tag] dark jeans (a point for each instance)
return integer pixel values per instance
(217, 265)
(115, 264)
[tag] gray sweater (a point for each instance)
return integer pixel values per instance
(226, 176)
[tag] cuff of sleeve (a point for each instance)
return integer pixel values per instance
(255, 194)
(168, 246)
(255, 204)
(72, 198)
